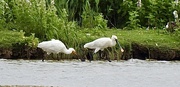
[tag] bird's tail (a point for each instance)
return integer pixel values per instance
(87, 45)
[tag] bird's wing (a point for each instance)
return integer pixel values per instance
(53, 46)
(89, 45)
(57, 46)
(98, 43)
(102, 42)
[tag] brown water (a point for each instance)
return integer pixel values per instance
(131, 73)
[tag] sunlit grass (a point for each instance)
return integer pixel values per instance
(80, 37)
(151, 37)
(8, 38)
(157, 38)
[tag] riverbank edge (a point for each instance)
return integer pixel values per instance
(134, 50)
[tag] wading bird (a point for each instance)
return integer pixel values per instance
(100, 44)
(55, 47)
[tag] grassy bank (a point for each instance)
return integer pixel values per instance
(159, 38)
(149, 39)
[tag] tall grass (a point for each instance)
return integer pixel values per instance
(91, 18)
(88, 12)
(52, 19)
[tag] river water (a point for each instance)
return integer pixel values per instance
(131, 73)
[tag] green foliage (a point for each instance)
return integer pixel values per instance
(31, 41)
(31, 17)
(92, 19)
(96, 21)
(39, 17)
(133, 20)
(100, 22)
(8, 38)
(2, 13)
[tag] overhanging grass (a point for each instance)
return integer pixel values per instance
(157, 38)
(8, 38)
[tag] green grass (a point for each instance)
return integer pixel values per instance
(158, 38)
(8, 38)
(145, 37)
(151, 38)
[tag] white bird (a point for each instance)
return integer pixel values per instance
(167, 25)
(176, 1)
(102, 43)
(55, 47)
(175, 15)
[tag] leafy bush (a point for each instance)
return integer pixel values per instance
(58, 18)
(2, 13)
(92, 19)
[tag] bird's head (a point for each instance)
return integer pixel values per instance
(73, 51)
(114, 37)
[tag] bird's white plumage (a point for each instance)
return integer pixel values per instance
(101, 43)
(175, 14)
(55, 46)
(167, 25)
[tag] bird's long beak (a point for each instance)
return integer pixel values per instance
(119, 45)
(74, 52)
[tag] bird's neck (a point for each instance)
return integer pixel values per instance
(67, 51)
(113, 42)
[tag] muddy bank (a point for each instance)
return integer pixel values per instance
(133, 50)
(153, 52)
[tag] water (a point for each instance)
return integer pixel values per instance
(131, 73)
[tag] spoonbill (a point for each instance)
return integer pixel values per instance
(102, 43)
(55, 47)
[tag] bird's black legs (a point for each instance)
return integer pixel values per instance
(100, 54)
(58, 56)
(89, 55)
(104, 55)
(44, 57)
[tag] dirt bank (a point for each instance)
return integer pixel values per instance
(131, 51)
(154, 52)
